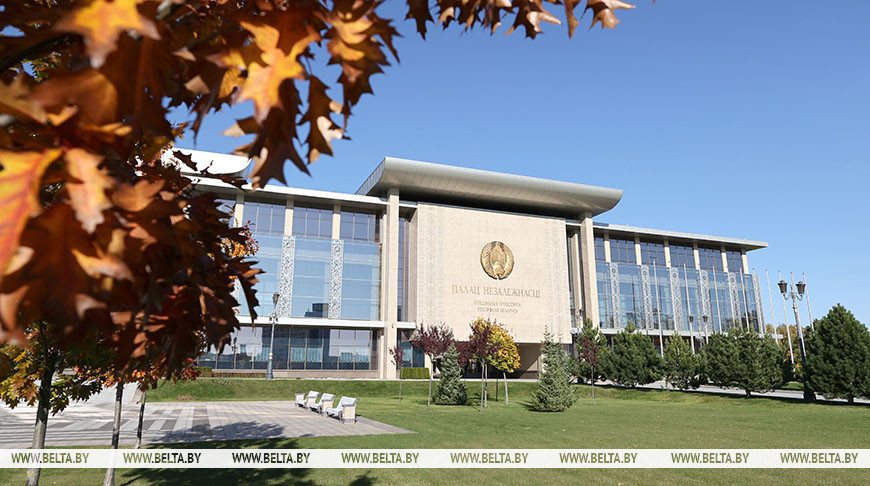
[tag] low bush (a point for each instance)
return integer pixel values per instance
(415, 373)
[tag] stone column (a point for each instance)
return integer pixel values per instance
(391, 276)
(239, 211)
(336, 221)
(576, 278)
(667, 253)
(587, 261)
(288, 218)
(697, 256)
(638, 259)
(725, 261)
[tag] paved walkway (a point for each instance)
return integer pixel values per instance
(90, 424)
(790, 394)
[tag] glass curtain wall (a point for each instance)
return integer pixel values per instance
(735, 261)
(297, 348)
(404, 243)
(360, 288)
(311, 267)
(412, 356)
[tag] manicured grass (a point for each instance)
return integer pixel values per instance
(793, 385)
(618, 419)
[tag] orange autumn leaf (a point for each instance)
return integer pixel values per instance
(87, 191)
(19, 187)
(100, 23)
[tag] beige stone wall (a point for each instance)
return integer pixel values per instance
(452, 287)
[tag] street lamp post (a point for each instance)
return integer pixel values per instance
(273, 318)
(796, 294)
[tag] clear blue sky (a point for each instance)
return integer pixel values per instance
(716, 117)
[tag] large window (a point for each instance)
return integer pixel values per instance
(312, 222)
(652, 253)
(311, 278)
(622, 251)
(402, 303)
(735, 261)
(297, 348)
(682, 256)
(268, 259)
(361, 281)
(711, 259)
(599, 249)
(264, 217)
(359, 226)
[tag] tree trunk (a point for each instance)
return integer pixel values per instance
(507, 400)
(400, 384)
(429, 400)
(851, 399)
(42, 408)
(485, 385)
(592, 380)
(116, 433)
(496, 387)
(748, 394)
(141, 418)
(481, 390)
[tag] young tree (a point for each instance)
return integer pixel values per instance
(681, 365)
(34, 377)
(451, 390)
(482, 347)
(554, 392)
(506, 358)
(589, 357)
(434, 341)
(633, 360)
(838, 356)
(584, 370)
(397, 357)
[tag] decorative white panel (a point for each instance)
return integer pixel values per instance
(646, 291)
(733, 298)
(335, 277)
(285, 275)
(706, 308)
(756, 293)
(677, 299)
(615, 305)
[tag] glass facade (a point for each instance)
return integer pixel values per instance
(359, 226)
(711, 259)
(675, 298)
(599, 249)
(652, 253)
(264, 217)
(735, 261)
(622, 251)
(682, 256)
(361, 281)
(313, 222)
(297, 348)
(311, 276)
(268, 259)
(402, 287)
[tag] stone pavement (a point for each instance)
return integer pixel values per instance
(90, 424)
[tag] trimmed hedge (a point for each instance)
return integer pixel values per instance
(204, 371)
(415, 373)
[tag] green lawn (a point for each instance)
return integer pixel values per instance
(618, 419)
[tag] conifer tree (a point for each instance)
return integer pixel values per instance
(838, 356)
(554, 392)
(633, 360)
(718, 360)
(758, 367)
(681, 365)
(451, 389)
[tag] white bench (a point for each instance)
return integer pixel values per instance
(307, 400)
(325, 402)
(345, 411)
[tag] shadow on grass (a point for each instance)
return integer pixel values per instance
(742, 398)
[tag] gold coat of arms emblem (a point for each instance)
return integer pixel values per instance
(497, 260)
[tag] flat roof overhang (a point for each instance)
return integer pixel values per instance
(425, 181)
(677, 236)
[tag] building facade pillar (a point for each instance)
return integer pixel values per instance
(588, 274)
(576, 279)
(391, 276)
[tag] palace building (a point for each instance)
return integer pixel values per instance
(428, 243)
